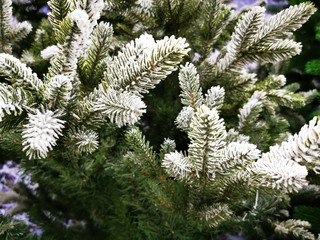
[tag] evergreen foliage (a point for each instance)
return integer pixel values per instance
(14, 230)
(76, 111)
(305, 67)
(10, 34)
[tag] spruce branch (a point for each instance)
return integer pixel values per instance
(41, 133)
(126, 68)
(121, 108)
(19, 32)
(272, 52)
(237, 166)
(143, 15)
(286, 98)
(93, 8)
(214, 97)
(83, 112)
(5, 24)
(216, 16)
(191, 92)
(12, 100)
(251, 110)
(184, 118)
(57, 92)
(301, 147)
(285, 22)
(19, 74)
(145, 4)
(83, 140)
(144, 63)
(280, 173)
(93, 64)
(234, 136)
(234, 184)
(207, 136)
(71, 34)
(166, 54)
(177, 165)
(49, 52)
(177, 10)
(216, 214)
(141, 147)
(245, 31)
(239, 155)
(234, 177)
(257, 40)
(239, 87)
(87, 90)
(59, 10)
(9, 33)
(167, 146)
(28, 57)
(296, 228)
(187, 9)
(242, 38)
(271, 82)
(309, 96)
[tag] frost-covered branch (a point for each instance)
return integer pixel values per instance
(143, 63)
(191, 92)
(41, 133)
(256, 39)
(9, 33)
(121, 107)
(18, 73)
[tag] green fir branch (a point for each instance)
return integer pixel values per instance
(13, 100)
(92, 66)
(5, 24)
(19, 74)
(59, 10)
(216, 16)
(19, 32)
(141, 148)
(70, 35)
